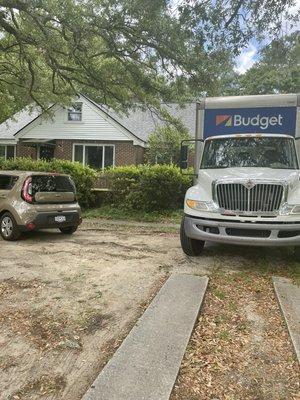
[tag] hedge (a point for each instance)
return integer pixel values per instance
(147, 187)
(84, 177)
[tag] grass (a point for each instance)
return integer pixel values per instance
(108, 212)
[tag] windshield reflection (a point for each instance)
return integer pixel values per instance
(262, 152)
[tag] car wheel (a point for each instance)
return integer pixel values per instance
(69, 230)
(190, 247)
(8, 227)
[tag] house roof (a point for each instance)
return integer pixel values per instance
(11, 126)
(142, 123)
(138, 122)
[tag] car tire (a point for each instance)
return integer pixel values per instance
(190, 247)
(69, 230)
(297, 253)
(8, 227)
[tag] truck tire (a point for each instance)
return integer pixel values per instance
(190, 247)
(8, 227)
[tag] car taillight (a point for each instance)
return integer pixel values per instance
(27, 190)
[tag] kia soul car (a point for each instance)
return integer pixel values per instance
(34, 200)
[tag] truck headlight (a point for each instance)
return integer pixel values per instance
(197, 205)
(201, 205)
(288, 209)
(296, 210)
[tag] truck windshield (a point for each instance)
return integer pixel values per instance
(267, 152)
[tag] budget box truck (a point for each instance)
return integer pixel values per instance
(247, 178)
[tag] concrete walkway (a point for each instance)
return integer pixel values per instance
(288, 296)
(146, 365)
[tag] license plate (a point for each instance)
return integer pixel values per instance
(60, 218)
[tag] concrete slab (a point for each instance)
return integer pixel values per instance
(288, 296)
(146, 365)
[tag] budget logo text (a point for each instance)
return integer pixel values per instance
(258, 120)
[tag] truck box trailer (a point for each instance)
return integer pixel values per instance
(247, 178)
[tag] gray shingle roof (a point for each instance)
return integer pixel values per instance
(12, 125)
(142, 123)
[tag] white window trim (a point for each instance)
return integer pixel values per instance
(94, 145)
(70, 121)
(5, 147)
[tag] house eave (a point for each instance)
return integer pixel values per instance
(8, 141)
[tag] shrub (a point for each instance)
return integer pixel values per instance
(164, 145)
(84, 177)
(148, 187)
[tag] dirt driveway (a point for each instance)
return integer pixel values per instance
(67, 302)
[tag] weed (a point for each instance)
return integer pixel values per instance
(219, 294)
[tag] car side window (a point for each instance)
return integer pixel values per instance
(7, 182)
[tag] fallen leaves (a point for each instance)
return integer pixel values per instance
(45, 330)
(45, 385)
(240, 348)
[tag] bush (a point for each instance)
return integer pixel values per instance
(147, 187)
(164, 145)
(84, 177)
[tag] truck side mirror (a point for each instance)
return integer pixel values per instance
(184, 156)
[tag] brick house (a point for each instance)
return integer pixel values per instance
(85, 132)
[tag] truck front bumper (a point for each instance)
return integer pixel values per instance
(244, 233)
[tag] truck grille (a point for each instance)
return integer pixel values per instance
(261, 197)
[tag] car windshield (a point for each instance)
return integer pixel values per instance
(265, 152)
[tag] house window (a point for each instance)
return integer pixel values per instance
(7, 151)
(96, 156)
(75, 112)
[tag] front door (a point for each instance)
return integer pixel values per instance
(46, 152)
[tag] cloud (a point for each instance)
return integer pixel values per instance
(246, 59)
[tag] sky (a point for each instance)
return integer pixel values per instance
(249, 55)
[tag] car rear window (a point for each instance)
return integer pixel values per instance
(7, 182)
(52, 183)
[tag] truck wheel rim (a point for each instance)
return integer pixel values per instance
(6, 226)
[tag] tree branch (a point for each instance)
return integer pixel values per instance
(235, 12)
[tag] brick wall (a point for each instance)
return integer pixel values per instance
(63, 149)
(140, 154)
(26, 151)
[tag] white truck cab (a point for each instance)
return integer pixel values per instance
(247, 186)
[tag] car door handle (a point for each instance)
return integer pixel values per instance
(2, 196)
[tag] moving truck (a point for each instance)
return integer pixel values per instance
(247, 178)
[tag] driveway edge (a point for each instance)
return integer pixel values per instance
(146, 365)
(288, 297)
